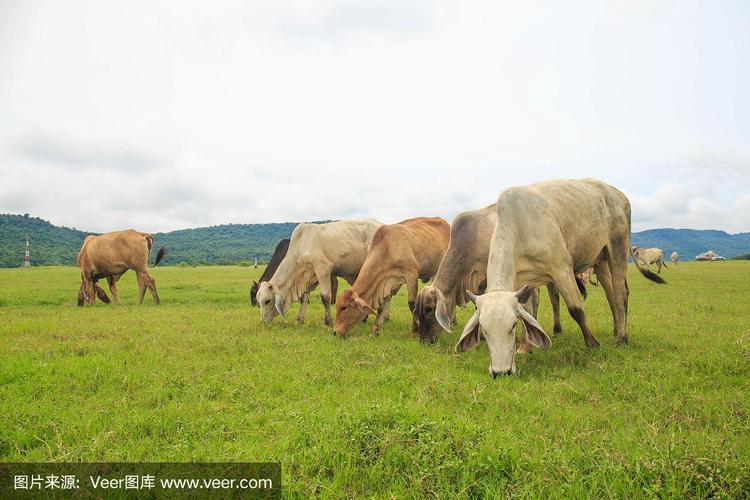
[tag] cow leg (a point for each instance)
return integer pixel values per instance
(112, 282)
(554, 300)
(303, 307)
(324, 276)
(140, 279)
(617, 261)
(566, 284)
(334, 288)
(531, 306)
(146, 281)
(605, 279)
(658, 266)
(383, 312)
(151, 284)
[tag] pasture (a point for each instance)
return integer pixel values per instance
(200, 379)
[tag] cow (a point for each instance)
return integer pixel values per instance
(546, 233)
(278, 255)
(649, 256)
(464, 267)
(317, 254)
(675, 257)
(401, 253)
(109, 256)
(587, 277)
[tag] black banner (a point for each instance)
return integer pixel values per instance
(140, 480)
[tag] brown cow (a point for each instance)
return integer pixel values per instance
(109, 256)
(400, 253)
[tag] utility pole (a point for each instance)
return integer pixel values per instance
(26, 257)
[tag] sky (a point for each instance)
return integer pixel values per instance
(167, 115)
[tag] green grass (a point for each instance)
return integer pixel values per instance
(199, 379)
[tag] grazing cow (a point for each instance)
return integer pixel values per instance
(401, 253)
(317, 254)
(649, 256)
(109, 256)
(278, 256)
(587, 277)
(675, 257)
(464, 267)
(546, 233)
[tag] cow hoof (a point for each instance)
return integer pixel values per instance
(621, 340)
(556, 330)
(592, 343)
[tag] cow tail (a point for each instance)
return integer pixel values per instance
(646, 272)
(160, 255)
(663, 263)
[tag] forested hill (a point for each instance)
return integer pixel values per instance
(243, 243)
(225, 244)
(690, 242)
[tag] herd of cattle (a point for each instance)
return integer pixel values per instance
(554, 233)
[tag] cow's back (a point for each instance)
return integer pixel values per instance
(278, 255)
(422, 238)
(583, 215)
(471, 234)
(342, 243)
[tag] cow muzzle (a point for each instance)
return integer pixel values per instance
(511, 371)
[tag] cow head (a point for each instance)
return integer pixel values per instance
(271, 303)
(254, 294)
(496, 317)
(350, 310)
(86, 293)
(432, 314)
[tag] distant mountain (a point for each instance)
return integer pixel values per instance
(243, 243)
(225, 244)
(49, 244)
(690, 242)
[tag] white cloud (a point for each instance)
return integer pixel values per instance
(161, 115)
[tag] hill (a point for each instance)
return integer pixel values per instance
(690, 242)
(225, 244)
(49, 244)
(238, 243)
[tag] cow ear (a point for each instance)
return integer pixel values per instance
(470, 336)
(363, 306)
(279, 303)
(524, 293)
(101, 294)
(534, 331)
(441, 313)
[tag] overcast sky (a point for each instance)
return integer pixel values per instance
(165, 115)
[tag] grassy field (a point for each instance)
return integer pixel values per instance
(199, 379)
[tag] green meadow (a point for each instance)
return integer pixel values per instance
(200, 379)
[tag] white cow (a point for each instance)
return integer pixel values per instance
(675, 257)
(316, 252)
(463, 268)
(546, 233)
(648, 256)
